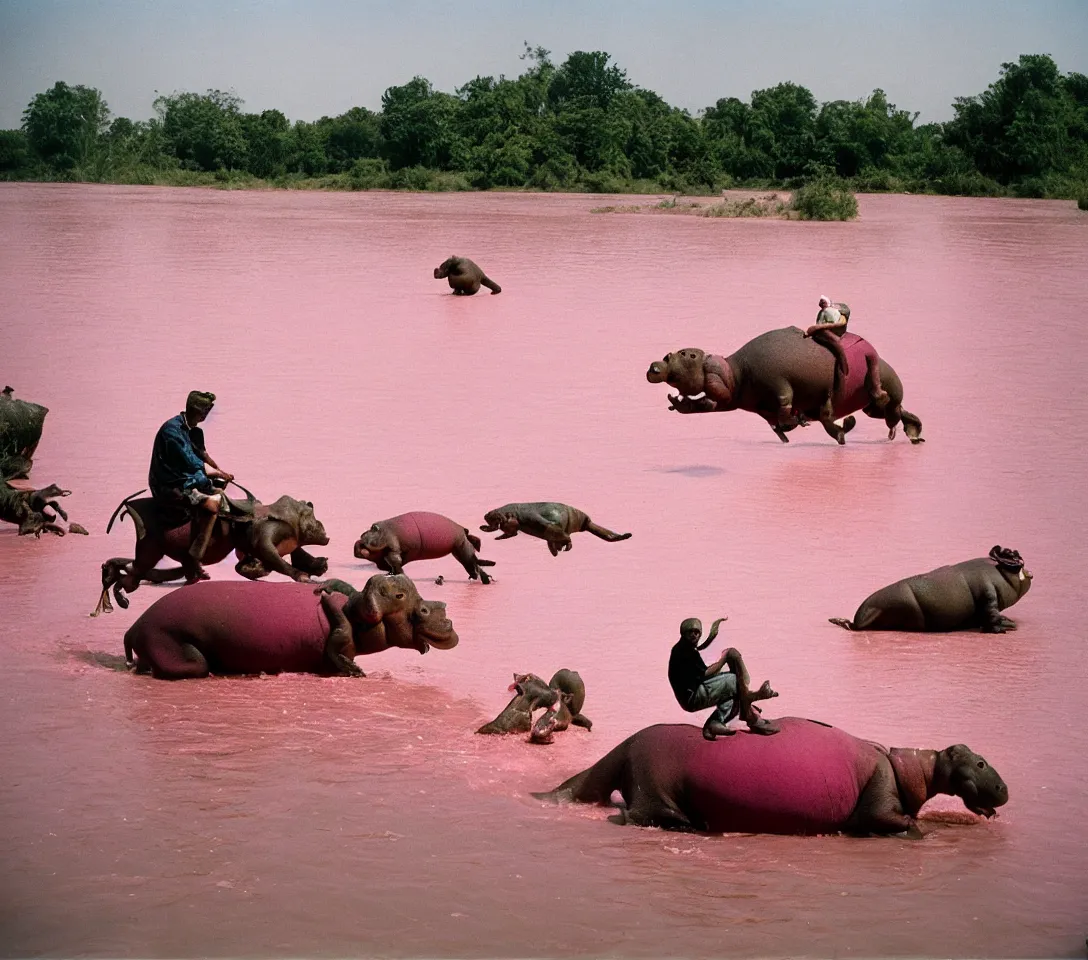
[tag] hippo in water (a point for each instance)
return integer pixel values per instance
(809, 778)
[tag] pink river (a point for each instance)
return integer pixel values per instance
(294, 815)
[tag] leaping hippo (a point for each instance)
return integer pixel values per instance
(420, 536)
(956, 597)
(464, 276)
(787, 378)
(810, 778)
(241, 627)
(550, 521)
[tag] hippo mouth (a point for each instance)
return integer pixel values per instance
(361, 552)
(658, 372)
(987, 812)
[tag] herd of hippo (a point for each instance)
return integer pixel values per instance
(807, 778)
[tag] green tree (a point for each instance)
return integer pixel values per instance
(15, 156)
(205, 131)
(782, 126)
(418, 126)
(63, 124)
(354, 135)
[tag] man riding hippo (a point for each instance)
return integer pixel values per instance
(181, 474)
(831, 323)
(698, 686)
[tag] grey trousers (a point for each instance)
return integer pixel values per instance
(718, 691)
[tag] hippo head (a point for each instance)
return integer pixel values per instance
(535, 690)
(972, 779)
(1011, 566)
(545, 726)
(433, 628)
(387, 595)
(444, 269)
(500, 519)
(682, 369)
(372, 544)
(299, 514)
(311, 531)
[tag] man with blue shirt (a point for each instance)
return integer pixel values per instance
(181, 475)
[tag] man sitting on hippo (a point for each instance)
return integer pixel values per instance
(181, 478)
(831, 323)
(698, 686)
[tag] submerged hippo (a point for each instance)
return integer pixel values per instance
(810, 778)
(242, 627)
(956, 597)
(464, 276)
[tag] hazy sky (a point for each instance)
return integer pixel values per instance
(314, 57)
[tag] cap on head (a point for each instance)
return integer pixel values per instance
(200, 401)
(825, 301)
(692, 623)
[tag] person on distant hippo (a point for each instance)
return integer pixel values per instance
(181, 478)
(698, 686)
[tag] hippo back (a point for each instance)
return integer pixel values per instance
(425, 536)
(805, 779)
(245, 627)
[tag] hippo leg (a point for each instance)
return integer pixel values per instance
(466, 556)
(581, 720)
(340, 646)
(169, 658)
(784, 395)
(877, 394)
(314, 566)
(649, 812)
(264, 550)
(605, 534)
(833, 430)
(559, 540)
(879, 809)
(113, 570)
(912, 426)
(989, 613)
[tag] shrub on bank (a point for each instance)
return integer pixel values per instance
(1082, 201)
(828, 199)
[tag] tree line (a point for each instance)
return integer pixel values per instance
(581, 125)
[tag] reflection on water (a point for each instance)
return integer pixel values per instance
(294, 815)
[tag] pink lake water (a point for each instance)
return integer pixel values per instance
(291, 815)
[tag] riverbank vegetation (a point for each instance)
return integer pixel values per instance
(581, 125)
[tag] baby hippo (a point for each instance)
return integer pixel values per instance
(420, 536)
(550, 521)
(465, 277)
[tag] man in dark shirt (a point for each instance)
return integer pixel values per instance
(698, 686)
(181, 475)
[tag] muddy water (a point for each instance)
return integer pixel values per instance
(292, 815)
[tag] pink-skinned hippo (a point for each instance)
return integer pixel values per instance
(788, 379)
(420, 535)
(243, 627)
(809, 778)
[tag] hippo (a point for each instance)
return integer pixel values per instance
(562, 697)
(420, 536)
(32, 510)
(787, 377)
(260, 535)
(240, 627)
(464, 276)
(957, 597)
(566, 709)
(810, 778)
(548, 520)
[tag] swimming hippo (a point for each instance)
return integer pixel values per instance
(956, 597)
(562, 699)
(810, 778)
(464, 276)
(420, 536)
(787, 378)
(550, 521)
(240, 627)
